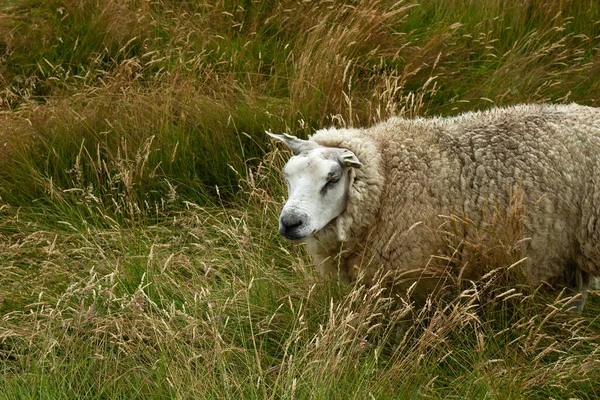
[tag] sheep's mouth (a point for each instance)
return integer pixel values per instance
(298, 237)
(293, 235)
(294, 238)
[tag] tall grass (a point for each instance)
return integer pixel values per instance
(194, 85)
(139, 197)
(211, 304)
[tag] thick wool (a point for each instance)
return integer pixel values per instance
(415, 171)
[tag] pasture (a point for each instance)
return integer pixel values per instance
(139, 199)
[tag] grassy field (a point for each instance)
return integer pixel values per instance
(139, 197)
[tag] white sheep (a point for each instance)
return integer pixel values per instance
(366, 200)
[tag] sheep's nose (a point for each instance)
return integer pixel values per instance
(290, 225)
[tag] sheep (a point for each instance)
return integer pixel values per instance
(372, 199)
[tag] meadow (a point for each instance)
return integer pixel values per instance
(139, 198)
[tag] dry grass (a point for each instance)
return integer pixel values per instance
(138, 255)
(211, 304)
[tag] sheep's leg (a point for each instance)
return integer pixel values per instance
(582, 280)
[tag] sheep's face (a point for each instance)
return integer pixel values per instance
(318, 179)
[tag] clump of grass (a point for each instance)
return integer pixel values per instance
(495, 243)
(130, 153)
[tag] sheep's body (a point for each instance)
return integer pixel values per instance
(415, 171)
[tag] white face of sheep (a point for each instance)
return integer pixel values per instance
(318, 179)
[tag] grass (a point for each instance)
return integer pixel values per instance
(139, 198)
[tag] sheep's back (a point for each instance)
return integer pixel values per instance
(543, 159)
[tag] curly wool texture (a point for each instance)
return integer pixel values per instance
(415, 171)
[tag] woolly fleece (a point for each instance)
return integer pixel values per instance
(416, 170)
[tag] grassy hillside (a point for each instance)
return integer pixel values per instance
(139, 199)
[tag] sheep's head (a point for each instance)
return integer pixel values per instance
(318, 179)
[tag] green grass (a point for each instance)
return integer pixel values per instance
(139, 197)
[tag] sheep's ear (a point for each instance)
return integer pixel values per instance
(296, 145)
(349, 159)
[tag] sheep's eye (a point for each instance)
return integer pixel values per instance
(331, 180)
